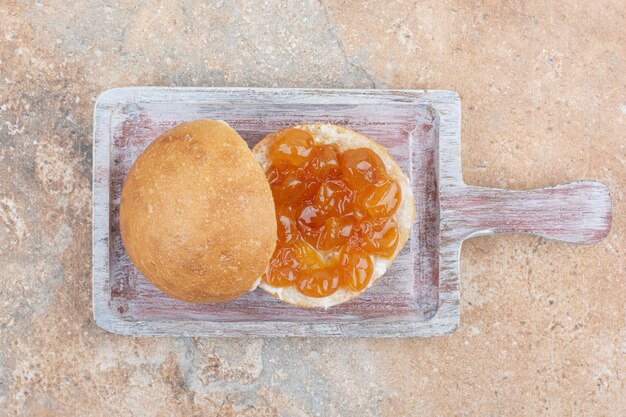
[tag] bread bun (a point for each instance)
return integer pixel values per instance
(197, 216)
(344, 139)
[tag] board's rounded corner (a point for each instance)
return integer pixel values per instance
(447, 326)
(112, 97)
(110, 322)
(454, 96)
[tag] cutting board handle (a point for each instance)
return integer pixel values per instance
(578, 212)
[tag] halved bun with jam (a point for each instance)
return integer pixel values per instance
(197, 215)
(344, 210)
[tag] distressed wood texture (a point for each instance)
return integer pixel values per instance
(578, 212)
(419, 295)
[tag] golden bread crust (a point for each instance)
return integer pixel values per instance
(197, 215)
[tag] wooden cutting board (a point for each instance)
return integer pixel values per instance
(418, 296)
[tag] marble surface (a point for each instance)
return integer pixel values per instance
(543, 328)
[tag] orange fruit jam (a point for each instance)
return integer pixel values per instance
(335, 212)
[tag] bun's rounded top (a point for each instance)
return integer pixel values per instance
(197, 215)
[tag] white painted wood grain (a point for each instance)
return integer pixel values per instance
(419, 296)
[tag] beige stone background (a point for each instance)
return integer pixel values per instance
(543, 87)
